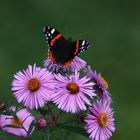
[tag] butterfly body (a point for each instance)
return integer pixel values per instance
(62, 51)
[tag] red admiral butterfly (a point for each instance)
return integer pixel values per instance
(61, 50)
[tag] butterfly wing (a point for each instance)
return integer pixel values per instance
(80, 46)
(52, 35)
(58, 48)
(61, 50)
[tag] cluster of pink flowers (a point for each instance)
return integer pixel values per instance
(75, 89)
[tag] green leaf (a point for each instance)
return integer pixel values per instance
(42, 111)
(78, 130)
(31, 127)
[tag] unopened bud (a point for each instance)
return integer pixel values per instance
(42, 123)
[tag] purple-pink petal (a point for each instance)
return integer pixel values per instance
(73, 102)
(38, 98)
(77, 64)
(24, 115)
(93, 128)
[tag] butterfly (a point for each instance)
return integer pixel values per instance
(61, 50)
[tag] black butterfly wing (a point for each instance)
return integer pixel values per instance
(52, 35)
(80, 46)
(73, 49)
(59, 50)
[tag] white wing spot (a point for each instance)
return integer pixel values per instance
(44, 29)
(52, 31)
(83, 43)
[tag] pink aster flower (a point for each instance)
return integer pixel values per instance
(72, 91)
(100, 121)
(33, 87)
(20, 125)
(101, 84)
(76, 64)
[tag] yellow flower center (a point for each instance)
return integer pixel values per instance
(73, 87)
(103, 119)
(104, 82)
(16, 123)
(33, 84)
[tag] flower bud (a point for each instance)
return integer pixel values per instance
(42, 122)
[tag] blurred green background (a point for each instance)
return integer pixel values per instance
(111, 26)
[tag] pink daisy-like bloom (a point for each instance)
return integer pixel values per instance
(100, 121)
(76, 64)
(24, 119)
(33, 87)
(101, 84)
(72, 91)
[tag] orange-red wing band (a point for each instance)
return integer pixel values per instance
(55, 38)
(51, 56)
(68, 63)
(77, 47)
